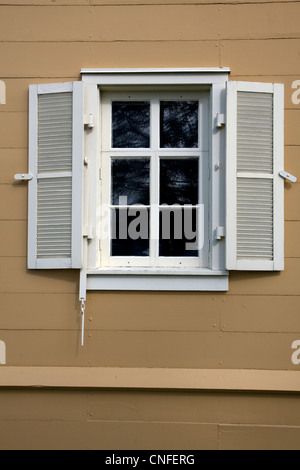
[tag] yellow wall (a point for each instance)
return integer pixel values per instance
(250, 327)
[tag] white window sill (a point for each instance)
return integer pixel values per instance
(157, 279)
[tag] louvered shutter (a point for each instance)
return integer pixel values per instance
(254, 189)
(55, 163)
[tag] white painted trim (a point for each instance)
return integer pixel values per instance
(217, 208)
(153, 271)
(53, 263)
(156, 282)
(154, 153)
(32, 184)
(157, 70)
(278, 145)
(77, 176)
(254, 265)
(231, 157)
(54, 88)
(91, 178)
(126, 77)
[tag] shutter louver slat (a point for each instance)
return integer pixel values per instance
(254, 202)
(55, 132)
(255, 132)
(254, 195)
(54, 195)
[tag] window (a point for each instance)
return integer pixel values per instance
(156, 179)
(154, 160)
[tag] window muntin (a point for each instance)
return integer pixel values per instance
(148, 188)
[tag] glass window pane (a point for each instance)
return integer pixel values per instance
(130, 232)
(179, 181)
(179, 124)
(130, 124)
(178, 232)
(130, 181)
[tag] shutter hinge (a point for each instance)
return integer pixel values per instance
(220, 120)
(88, 233)
(23, 176)
(219, 233)
(88, 121)
(287, 176)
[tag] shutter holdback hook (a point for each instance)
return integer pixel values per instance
(82, 299)
(82, 320)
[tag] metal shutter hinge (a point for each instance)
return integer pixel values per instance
(88, 233)
(219, 233)
(287, 176)
(23, 176)
(89, 121)
(220, 120)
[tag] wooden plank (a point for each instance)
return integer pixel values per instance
(91, 435)
(46, 311)
(291, 201)
(194, 406)
(111, 349)
(13, 130)
(12, 161)
(13, 240)
(67, 59)
(34, 404)
(259, 57)
(259, 437)
(264, 283)
(292, 236)
(270, 351)
(13, 201)
(173, 379)
(292, 160)
(121, 23)
(153, 311)
(59, 3)
(135, 22)
(14, 277)
(36, 311)
(292, 123)
(261, 314)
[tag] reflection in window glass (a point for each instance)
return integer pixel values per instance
(130, 180)
(130, 232)
(179, 124)
(130, 124)
(178, 231)
(179, 181)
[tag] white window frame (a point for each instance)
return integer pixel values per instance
(154, 153)
(215, 276)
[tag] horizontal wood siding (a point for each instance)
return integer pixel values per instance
(109, 420)
(252, 326)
